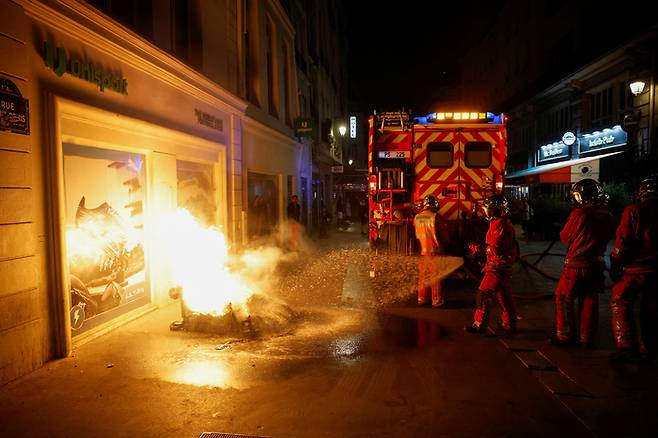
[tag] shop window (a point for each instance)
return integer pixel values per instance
(477, 154)
(440, 154)
(105, 193)
(263, 195)
(196, 191)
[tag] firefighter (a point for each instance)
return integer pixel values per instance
(426, 227)
(633, 267)
(501, 252)
(586, 233)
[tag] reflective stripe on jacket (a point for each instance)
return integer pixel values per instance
(425, 225)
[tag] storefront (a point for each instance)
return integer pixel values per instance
(271, 178)
(120, 134)
(116, 177)
(571, 159)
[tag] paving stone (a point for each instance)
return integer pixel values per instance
(559, 384)
(535, 361)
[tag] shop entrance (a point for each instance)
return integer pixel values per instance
(113, 179)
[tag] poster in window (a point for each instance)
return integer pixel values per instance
(105, 197)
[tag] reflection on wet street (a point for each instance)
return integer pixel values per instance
(341, 317)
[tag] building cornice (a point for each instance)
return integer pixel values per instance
(82, 22)
(264, 129)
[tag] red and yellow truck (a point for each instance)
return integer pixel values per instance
(459, 157)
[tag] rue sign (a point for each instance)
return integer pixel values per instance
(14, 110)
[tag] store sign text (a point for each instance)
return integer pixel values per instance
(608, 138)
(552, 151)
(58, 61)
(209, 120)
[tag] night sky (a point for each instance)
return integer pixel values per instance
(406, 53)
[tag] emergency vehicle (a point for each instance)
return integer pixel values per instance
(459, 157)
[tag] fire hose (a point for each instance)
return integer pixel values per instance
(533, 266)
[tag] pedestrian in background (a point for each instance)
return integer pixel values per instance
(501, 252)
(294, 226)
(426, 227)
(525, 216)
(363, 215)
(586, 233)
(634, 267)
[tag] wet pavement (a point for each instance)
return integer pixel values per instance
(358, 361)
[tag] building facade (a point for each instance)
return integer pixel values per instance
(120, 113)
(589, 124)
(561, 71)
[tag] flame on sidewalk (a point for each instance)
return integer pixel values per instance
(211, 278)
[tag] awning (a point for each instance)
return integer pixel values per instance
(559, 165)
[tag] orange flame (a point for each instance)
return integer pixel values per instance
(199, 261)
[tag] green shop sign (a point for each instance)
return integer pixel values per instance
(303, 127)
(58, 61)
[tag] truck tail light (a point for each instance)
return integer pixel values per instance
(500, 184)
(373, 184)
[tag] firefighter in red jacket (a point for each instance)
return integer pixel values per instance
(426, 227)
(634, 267)
(586, 233)
(501, 252)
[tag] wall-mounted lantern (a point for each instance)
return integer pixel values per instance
(637, 87)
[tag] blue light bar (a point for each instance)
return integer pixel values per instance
(459, 117)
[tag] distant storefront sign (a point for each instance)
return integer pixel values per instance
(588, 169)
(569, 138)
(352, 126)
(605, 139)
(14, 110)
(337, 169)
(553, 151)
(304, 127)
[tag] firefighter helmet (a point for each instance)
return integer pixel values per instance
(431, 203)
(588, 191)
(648, 187)
(495, 206)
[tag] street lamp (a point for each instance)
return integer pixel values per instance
(350, 162)
(342, 129)
(636, 87)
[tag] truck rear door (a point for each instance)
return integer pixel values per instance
(436, 168)
(482, 155)
(457, 165)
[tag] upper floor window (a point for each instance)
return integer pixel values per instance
(270, 48)
(601, 110)
(137, 15)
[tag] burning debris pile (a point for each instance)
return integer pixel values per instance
(221, 293)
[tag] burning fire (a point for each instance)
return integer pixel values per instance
(200, 263)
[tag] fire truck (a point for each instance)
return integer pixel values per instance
(459, 157)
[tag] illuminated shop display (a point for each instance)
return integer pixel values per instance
(105, 195)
